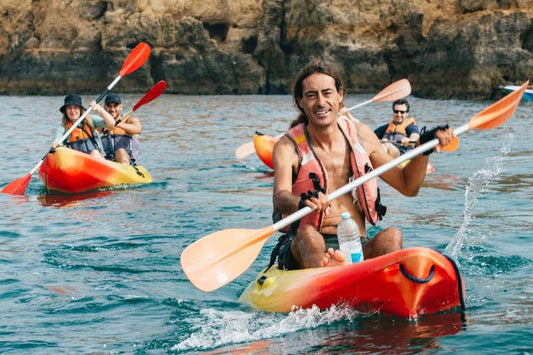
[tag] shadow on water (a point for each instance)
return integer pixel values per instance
(63, 200)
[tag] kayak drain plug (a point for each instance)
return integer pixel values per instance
(262, 279)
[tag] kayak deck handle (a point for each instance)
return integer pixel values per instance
(416, 279)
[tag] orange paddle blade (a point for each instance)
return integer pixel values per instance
(153, 93)
(499, 112)
(397, 90)
(452, 146)
(138, 56)
(218, 258)
(17, 187)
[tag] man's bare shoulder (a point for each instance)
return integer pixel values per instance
(368, 138)
(283, 143)
(284, 153)
(365, 132)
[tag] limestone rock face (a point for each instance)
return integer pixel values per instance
(446, 48)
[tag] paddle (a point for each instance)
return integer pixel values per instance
(397, 144)
(451, 147)
(152, 94)
(397, 90)
(134, 61)
(220, 257)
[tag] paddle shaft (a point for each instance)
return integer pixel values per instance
(360, 181)
(69, 131)
(359, 105)
(398, 144)
(385, 93)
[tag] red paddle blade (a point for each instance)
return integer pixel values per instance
(397, 90)
(138, 56)
(218, 258)
(17, 187)
(499, 112)
(153, 93)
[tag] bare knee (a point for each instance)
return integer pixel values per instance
(309, 238)
(308, 248)
(96, 154)
(386, 241)
(392, 235)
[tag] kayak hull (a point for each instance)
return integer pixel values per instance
(406, 283)
(264, 145)
(528, 93)
(70, 171)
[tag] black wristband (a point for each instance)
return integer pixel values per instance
(428, 135)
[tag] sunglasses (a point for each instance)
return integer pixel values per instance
(399, 111)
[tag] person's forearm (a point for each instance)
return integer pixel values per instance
(285, 202)
(130, 128)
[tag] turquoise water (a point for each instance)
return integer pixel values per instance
(100, 273)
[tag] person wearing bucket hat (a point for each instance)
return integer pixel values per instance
(84, 137)
(71, 99)
(121, 142)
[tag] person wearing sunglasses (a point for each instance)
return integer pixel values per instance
(401, 133)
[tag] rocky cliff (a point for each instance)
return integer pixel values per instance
(446, 48)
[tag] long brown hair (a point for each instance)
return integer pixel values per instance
(315, 65)
(86, 121)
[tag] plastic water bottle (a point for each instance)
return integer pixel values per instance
(349, 240)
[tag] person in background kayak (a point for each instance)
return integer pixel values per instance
(121, 143)
(399, 135)
(320, 153)
(85, 136)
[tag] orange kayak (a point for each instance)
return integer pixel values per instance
(264, 145)
(70, 171)
(406, 283)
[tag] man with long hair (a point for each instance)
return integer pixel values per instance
(320, 153)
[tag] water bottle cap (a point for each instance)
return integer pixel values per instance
(345, 215)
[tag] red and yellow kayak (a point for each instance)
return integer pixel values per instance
(70, 171)
(406, 283)
(264, 145)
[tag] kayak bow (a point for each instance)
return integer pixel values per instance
(406, 283)
(70, 171)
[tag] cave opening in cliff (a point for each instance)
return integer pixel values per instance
(527, 40)
(249, 44)
(217, 31)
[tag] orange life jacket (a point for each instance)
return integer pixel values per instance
(117, 131)
(79, 133)
(401, 128)
(312, 175)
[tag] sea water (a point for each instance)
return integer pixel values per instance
(100, 272)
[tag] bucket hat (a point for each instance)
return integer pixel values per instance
(71, 99)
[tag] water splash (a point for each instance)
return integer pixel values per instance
(475, 186)
(217, 328)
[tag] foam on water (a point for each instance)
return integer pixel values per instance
(214, 328)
